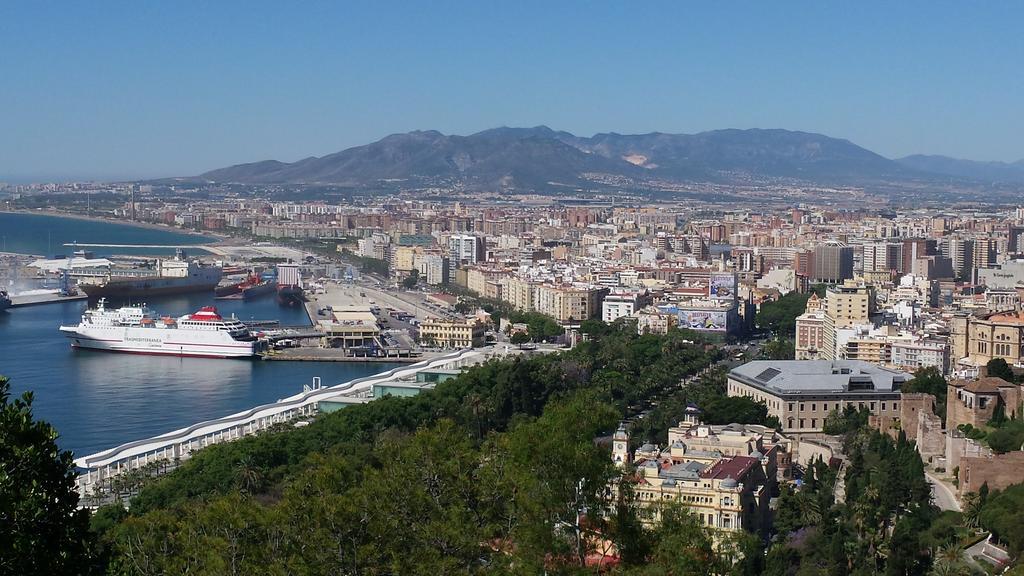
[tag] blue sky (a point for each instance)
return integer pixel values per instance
(144, 89)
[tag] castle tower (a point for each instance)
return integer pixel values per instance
(620, 446)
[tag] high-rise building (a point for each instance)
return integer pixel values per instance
(803, 263)
(845, 306)
(914, 248)
(882, 257)
(569, 303)
(434, 268)
(1015, 239)
(960, 252)
(984, 254)
(833, 262)
(465, 249)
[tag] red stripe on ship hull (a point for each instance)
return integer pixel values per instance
(217, 345)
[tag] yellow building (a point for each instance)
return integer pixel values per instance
(845, 306)
(718, 476)
(979, 339)
(650, 320)
(478, 278)
(403, 258)
(569, 303)
(462, 333)
(519, 293)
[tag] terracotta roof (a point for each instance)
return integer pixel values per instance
(1007, 317)
(986, 385)
(735, 468)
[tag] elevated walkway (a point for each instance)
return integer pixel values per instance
(96, 469)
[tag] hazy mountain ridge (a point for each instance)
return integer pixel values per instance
(535, 158)
(971, 169)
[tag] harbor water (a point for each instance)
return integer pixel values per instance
(98, 400)
(45, 235)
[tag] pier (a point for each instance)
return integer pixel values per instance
(97, 470)
(18, 301)
(160, 246)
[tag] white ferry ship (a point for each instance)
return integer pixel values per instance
(137, 329)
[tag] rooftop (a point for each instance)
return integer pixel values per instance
(986, 385)
(819, 376)
(735, 468)
(1007, 317)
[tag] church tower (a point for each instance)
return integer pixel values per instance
(620, 446)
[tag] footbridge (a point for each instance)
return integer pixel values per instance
(95, 470)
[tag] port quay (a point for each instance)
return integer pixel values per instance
(98, 469)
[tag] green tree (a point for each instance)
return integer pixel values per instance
(1003, 514)
(1008, 437)
(410, 281)
(682, 546)
(1000, 369)
(780, 316)
(734, 409)
(849, 419)
(556, 475)
(520, 338)
(930, 381)
(779, 349)
(41, 529)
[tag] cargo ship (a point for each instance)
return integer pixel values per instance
(289, 285)
(139, 330)
(252, 287)
(177, 276)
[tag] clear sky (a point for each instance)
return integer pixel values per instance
(145, 89)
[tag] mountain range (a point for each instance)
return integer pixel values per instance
(967, 169)
(540, 159)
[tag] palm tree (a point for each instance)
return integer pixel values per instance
(810, 511)
(944, 567)
(972, 510)
(953, 552)
(248, 475)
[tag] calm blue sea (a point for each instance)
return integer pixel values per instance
(46, 235)
(98, 400)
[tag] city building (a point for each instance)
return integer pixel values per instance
(568, 304)
(457, 333)
(802, 393)
(978, 339)
(466, 249)
(350, 327)
(845, 307)
(975, 402)
(433, 268)
(622, 304)
(833, 262)
(1008, 276)
(650, 320)
(727, 493)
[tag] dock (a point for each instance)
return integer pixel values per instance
(40, 299)
(160, 246)
(309, 354)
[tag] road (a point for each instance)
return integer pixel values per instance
(945, 499)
